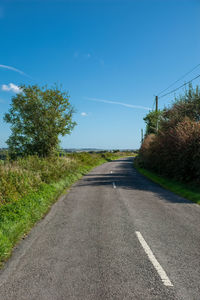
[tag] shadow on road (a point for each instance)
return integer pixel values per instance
(127, 177)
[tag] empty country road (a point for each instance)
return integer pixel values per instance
(115, 235)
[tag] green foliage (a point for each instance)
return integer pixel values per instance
(175, 150)
(190, 192)
(38, 116)
(185, 106)
(16, 182)
(152, 121)
(24, 175)
(3, 154)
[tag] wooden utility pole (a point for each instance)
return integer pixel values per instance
(156, 103)
(142, 136)
(157, 111)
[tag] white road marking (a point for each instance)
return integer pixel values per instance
(114, 186)
(157, 266)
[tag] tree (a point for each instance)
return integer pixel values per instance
(38, 116)
(185, 106)
(152, 121)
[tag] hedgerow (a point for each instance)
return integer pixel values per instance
(175, 150)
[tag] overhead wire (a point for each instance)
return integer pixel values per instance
(178, 79)
(184, 84)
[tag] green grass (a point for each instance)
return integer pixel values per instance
(188, 191)
(29, 187)
(18, 217)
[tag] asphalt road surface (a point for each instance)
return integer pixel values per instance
(115, 235)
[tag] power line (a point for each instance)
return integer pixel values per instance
(180, 86)
(179, 79)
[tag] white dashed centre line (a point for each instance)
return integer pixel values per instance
(157, 266)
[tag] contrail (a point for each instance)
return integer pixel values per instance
(13, 69)
(118, 103)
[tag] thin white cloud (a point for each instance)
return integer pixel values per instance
(118, 103)
(13, 69)
(84, 114)
(11, 87)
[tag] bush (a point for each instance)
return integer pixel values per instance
(25, 175)
(175, 153)
(16, 182)
(175, 150)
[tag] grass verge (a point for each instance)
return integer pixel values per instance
(187, 191)
(18, 217)
(19, 209)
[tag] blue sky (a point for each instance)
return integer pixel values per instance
(102, 52)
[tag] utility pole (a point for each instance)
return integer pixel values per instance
(156, 103)
(157, 111)
(142, 136)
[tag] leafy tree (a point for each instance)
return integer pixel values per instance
(152, 121)
(186, 106)
(38, 116)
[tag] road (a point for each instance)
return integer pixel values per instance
(115, 235)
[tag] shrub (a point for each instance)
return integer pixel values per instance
(175, 153)
(175, 150)
(16, 182)
(20, 177)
